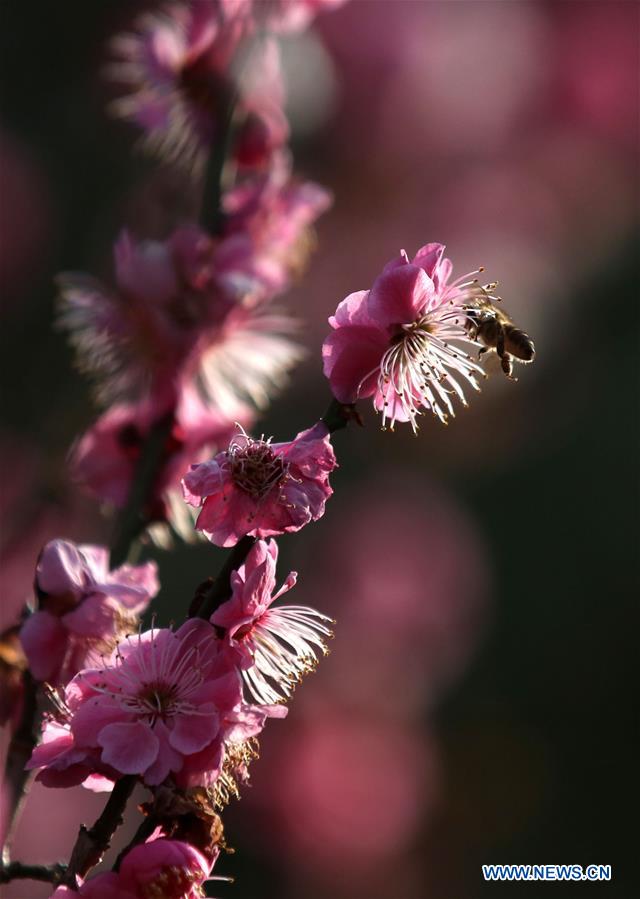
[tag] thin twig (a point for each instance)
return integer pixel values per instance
(142, 834)
(45, 873)
(212, 213)
(338, 415)
(131, 520)
(212, 216)
(21, 746)
(220, 589)
(92, 843)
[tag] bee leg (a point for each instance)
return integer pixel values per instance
(506, 361)
(482, 351)
(507, 366)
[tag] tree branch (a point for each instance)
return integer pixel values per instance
(131, 521)
(142, 834)
(338, 415)
(21, 746)
(220, 588)
(212, 213)
(45, 873)
(92, 844)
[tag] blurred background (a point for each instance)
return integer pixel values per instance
(479, 701)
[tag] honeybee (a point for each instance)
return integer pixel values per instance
(492, 326)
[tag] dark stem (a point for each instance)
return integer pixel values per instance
(21, 746)
(92, 844)
(211, 212)
(131, 521)
(338, 415)
(220, 589)
(141, 835)
(46, 873)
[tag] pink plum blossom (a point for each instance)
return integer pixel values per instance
(167, 704)
(270, 644)
(185, 310)
(268, 223)
(105, 458)
(165, 868)
(178, 71)
(83, 607)
(172, 866)
(174, 71)
(393, 342)
(260, 488)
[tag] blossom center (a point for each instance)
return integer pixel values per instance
(419, 368)
(244, 631)
(200, 84)
(158, 699)
(256, 468)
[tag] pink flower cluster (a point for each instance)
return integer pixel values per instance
(83, 608)
(170, 705)
(185, 347)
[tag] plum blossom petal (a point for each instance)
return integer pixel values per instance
(352, 311)
(399, 295)
(62, 568)
(169, 759)
(44, 640)
(96, 614)
(128, 747)
(429, 258)
(91, 717)
(351, 357)
(191, 733)
(57, 742)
